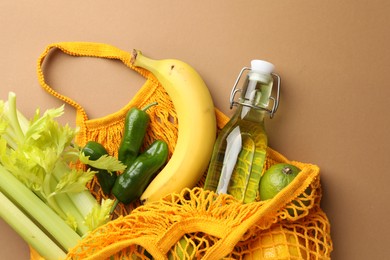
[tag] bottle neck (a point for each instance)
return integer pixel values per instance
(256, 90)
(251, 114)
(255, 97)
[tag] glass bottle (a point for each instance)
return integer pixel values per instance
(239, 152)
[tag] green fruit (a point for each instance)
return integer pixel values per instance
(183, 249)
(276, 178)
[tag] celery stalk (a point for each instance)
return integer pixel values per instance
(27, 229)
(14, 116)
(66, 204)
(83, 201)
(25, 199)
(71, 214)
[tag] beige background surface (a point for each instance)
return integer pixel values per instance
(333, 57)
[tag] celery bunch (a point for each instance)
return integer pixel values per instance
(38, 185)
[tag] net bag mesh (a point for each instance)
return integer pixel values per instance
(199, 224)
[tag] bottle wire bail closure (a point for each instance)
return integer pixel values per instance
(275, 100)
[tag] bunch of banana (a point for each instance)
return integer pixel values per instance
(196, 125)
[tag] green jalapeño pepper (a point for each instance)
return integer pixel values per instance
(106, 179)
(136, 123)
(133, 181)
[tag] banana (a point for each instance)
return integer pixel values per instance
(196, 125)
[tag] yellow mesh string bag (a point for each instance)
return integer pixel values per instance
(108, 130)
(195, 223)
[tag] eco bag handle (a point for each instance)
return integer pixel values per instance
(84, 49)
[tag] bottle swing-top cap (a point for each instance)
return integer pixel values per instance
(260, 70)
(262, 66)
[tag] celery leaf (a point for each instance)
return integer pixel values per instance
(99, 215)
(105, 162)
